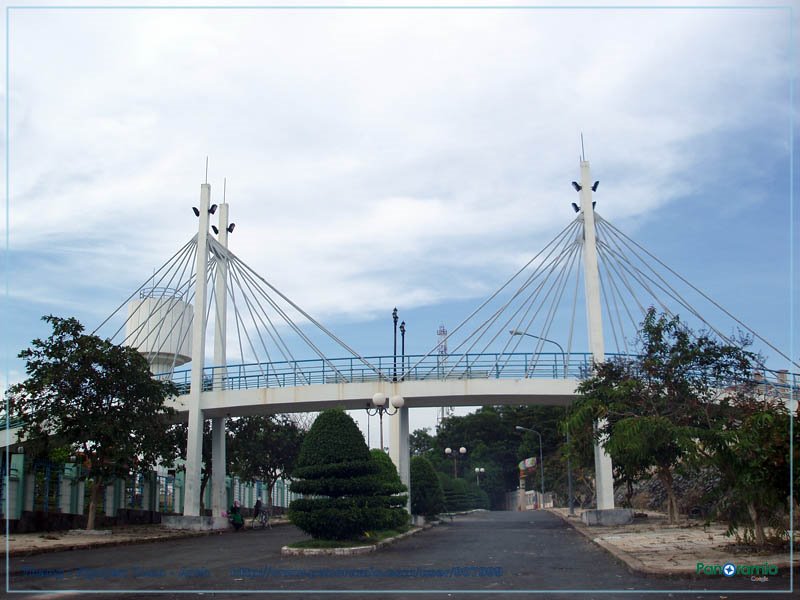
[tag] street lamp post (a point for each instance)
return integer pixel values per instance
(394, 318)
(541, 462)
(571, 500)
(402, 349)
(563, 354)
(379, 407)
(454, 455)
(478, 472)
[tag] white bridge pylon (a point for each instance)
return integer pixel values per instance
(486, 364)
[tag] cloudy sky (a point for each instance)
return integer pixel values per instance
(379, 158)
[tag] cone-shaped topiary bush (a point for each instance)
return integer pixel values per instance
(334, 468)
(455, 493)
(427, 496)
(392, 488)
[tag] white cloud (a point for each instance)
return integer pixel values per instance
(372, 157)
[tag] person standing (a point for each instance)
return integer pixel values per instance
(257, 510)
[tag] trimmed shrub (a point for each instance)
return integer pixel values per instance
(427, 496)
(346, 485)
(455, 493)
(477, 497)
(392, 489)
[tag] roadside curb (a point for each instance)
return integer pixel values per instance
(352, 551)
(633, 564)
(103, 541)
(101, 544)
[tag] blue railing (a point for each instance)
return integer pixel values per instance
(409, 368)
(545, 365)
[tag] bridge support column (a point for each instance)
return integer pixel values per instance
(218, 492)
(194, 448)
(194, 459)
(603, 470)
(399, 448)
(219, 499)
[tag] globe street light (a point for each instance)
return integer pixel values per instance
(378, 407)
(478, 472)
(541, 462)
(454, 455)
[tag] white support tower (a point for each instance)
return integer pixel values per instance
(194, 446)
(604, 478)
(218, 491)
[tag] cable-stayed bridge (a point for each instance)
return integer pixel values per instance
(270, 355)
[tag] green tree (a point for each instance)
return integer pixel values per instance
(421, 442)
(95, 397)
(493, 443)
(263, 448)
(751, 454)
(655, 410)
(427, 496)
(346, 494)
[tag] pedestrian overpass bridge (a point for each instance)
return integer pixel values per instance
(434, 381)
(423, 382)
(590, 257)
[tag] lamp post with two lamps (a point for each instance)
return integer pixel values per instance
(379, 407)
(541, 463)
(478, 472)
(454, 455)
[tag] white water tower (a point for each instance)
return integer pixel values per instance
(160, 327)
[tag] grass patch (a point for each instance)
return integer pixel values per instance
(371, 537)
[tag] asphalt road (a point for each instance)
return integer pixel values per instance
(483, 555)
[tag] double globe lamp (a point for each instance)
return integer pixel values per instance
(379, 407)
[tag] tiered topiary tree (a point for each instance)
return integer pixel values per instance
(427, 496)
(391, 487)
(455, 493)
(347, 496)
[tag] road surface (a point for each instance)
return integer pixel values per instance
(482, 555)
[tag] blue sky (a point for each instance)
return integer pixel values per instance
(387, 158)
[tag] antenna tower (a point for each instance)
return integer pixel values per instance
(441, 362)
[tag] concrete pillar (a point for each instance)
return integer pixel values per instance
(218, 459)
(108, 500)
(80, 495)
(218, 466)
(179, 485)
(604, 477)
(399, 448)
(16, 486)
(147, 492)
(65, 492)
(194, 446)
(30, 482)
(14, 495)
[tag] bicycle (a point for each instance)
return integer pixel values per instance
(262, 520)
